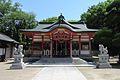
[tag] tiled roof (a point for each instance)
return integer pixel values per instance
(62, 23)
(6, 38)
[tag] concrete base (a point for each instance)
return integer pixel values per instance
(103, 61)
(18, 66)
(103, 65)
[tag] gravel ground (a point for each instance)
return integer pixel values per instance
(28, 73)
(100, 74)
(25, 74)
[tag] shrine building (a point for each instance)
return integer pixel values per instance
(60, 39)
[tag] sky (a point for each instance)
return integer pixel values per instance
(71, 9)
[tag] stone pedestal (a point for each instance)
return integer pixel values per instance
(18, 62)
(103, 61)
(18, 66)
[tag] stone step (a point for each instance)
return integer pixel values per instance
(52, 61)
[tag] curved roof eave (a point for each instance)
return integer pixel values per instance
(60, 23)
(48, 30)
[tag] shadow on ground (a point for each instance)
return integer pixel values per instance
(115, 65)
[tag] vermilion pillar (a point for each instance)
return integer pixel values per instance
(32, 44)
(56, 48)
(90, 44)
(42, 45)
(79, 45)
(70, 48)
(51, 47)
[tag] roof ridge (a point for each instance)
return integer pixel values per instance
(61, 20)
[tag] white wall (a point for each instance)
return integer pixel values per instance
(1, 51)
(8, 50)
(85, 52)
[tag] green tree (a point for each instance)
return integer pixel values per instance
(21, 20)
(6, 6)
(14, 18)
(113, 16)
(95, 15)
(113, 22)
(116, 44)
(73, 20)
(116, 40)
(104, 36)
(51, 19)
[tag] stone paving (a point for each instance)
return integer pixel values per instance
(59, 73)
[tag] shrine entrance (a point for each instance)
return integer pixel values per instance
(61, 48)
(61, 43)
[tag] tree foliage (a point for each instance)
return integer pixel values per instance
(113, 22)
(116, 40)
(104, 36)
(116, 44)
(95, 15)
(113, 16)
(12, 19)
(51, 19)
(105, 14)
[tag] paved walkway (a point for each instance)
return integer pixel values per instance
(59, 73)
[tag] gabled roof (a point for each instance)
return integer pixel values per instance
(6, 38)
(60, 23)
